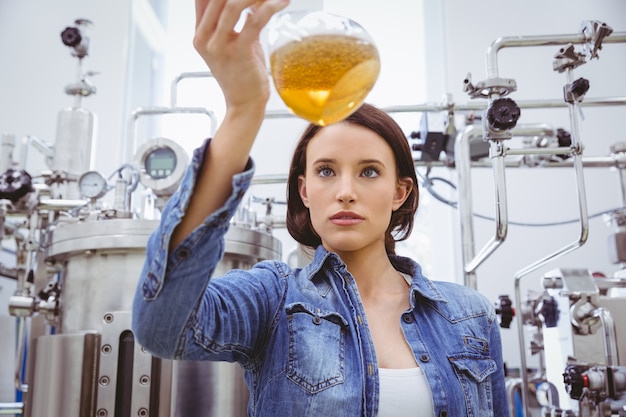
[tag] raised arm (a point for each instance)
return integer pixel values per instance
(182, 253)
(237, 63)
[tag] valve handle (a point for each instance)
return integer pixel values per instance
(15, 184)
(503, 114)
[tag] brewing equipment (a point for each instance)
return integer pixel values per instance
(78, 257)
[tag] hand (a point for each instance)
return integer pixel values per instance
(236, 60)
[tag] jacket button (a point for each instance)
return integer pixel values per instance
(407, 318)
(183, 253)
(443, 413)
(425, 358)
(317, 320)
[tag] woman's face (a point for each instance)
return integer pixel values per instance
(351, 187)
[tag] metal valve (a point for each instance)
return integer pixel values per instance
(504, 308)
(46, 303)
(550, 311)
(575, 91)
(503, 114)
(564, 139)
(600, 382)
(15, 184)
(76, 38)
(500, 117)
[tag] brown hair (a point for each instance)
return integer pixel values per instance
(401, 223)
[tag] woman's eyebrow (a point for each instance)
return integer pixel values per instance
(324, 160)
(359, 162)
(370, 161)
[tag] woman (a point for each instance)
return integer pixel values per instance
(358, 331)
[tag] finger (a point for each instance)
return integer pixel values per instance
(230, 15)
(262, 12)
(256, 4)
(214, 14)
(200, 8)
(207, 15)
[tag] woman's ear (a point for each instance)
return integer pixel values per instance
(302, 190)
(403, 190)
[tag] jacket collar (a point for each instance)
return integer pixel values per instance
(420, 285)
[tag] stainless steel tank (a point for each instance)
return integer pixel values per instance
(91, 365)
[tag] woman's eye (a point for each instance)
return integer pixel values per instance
(370, 172)
(325, 172)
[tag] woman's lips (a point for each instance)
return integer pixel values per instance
(346, 219)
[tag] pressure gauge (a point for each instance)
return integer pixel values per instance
(162, 164)
(92, 185)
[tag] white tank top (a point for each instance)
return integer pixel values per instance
(404, 393)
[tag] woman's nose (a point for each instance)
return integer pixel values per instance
(346, 192)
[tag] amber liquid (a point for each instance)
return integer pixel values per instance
(325, 78)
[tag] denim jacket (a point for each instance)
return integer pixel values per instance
(301, 334)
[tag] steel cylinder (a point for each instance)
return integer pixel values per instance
(100, 263)
(73, 145)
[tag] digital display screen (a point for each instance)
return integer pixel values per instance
(160, 163)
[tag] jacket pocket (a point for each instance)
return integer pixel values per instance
(152, 284)
(316, 358)
(473, 373)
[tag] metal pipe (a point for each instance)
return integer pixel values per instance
(155, 111)
(535, 129)
(56, 204)
(478, 105)
(279, 114)
(38, 144)
(183, 76)
(584, 233)
(11, 408)
(577, 147)
(522, 346)
(546, 40)
(269, 114)
(539, 151)
(463, 164)
(497, 161)
(21, 352)
(622, 183)
(610, 335)
(618, 151)
(497, 148)
(24, 266)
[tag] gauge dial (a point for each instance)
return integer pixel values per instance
(162, 164)
(92, 185)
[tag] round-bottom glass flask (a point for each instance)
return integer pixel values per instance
(323, 65)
